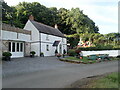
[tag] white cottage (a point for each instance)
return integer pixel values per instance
(45, 38)
(15, 40)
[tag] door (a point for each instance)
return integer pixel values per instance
(17, 49)
(60, 49)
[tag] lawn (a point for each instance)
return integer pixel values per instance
(85, 59)
(109, 81)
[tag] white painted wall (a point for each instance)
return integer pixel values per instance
(51, 39)
(35, 44)
(9, 35)
(24, 37)
(36, 36)
(110, 52)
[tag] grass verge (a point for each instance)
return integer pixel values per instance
(85, 60)
(109, 81)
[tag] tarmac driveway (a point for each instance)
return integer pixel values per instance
(49, 72)
(26, 64)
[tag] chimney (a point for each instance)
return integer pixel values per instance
(56, 26)
(31, 17)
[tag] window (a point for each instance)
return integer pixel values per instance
(17, 47)
(21, 47)
(47, 37)
(9, 46)
(13, 47)
(60, 48)
(47, 47)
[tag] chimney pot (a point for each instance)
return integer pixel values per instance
(56, 26)
(31, 17)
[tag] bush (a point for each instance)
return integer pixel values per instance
(98, 48)
(7, 54)
(56, 51)
(32, 52)
(42, 54)
(64, 51)
(58, 55)
(71, 52)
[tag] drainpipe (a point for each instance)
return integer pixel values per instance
(40, 41)
(1, 31)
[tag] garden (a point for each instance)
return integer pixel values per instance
(76, 56)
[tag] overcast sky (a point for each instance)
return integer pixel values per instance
(103, 12)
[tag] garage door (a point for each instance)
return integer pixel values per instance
(17, 49)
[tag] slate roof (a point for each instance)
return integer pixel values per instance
(47, 29)
(8, 27)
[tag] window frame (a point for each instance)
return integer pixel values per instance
(47, 47)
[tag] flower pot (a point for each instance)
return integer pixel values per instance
(7, 58)
(32, 55)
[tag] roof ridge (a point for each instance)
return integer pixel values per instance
(43, 28)
(44, 24)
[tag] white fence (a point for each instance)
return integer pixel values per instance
(110, 52)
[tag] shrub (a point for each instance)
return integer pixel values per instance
(7, 54)
(64, 51)
(58, 55)
(71, 52)
(98, 47)
(32, 52)
(56, 51)
(41, 54)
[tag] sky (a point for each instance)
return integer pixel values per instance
(103, 12)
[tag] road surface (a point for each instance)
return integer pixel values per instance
(58, 77)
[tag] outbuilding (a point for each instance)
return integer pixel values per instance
(15, 40)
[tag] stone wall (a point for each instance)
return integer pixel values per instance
(27, 49)
(4, 46)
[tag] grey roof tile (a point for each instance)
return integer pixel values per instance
(47, 29)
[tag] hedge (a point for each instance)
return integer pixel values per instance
(97, 48)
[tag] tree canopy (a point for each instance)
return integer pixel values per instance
(69, 21)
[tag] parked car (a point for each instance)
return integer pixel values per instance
(98, 56)
(92, 57)
(104, 56)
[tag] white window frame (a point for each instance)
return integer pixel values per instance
(47, 47)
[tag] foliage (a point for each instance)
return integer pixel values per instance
(69, 21)
(73, 40)
(58, 55)
(7, 54)
(96, 39)
(41, 54)
(33, 52)
(64, 51)
(71, 52)
(84, 59)
(56, 51)
(109, 81)
(79, 22)
(97, 48)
